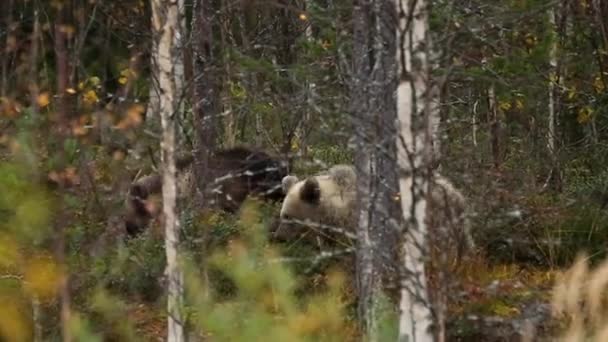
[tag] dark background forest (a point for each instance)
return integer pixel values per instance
(524, 135)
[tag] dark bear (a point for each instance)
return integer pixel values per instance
(235, 174)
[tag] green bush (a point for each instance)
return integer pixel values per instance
(264, 303)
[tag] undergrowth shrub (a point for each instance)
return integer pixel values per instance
(264, 303)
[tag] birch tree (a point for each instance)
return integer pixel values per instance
(414, 152)
(553, 86)
(166, 27)
(153, 107)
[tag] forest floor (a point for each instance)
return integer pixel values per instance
(502, 302)
(149, 323)
(499, 302)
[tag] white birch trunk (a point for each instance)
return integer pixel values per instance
(166, 26)
(179, 70)
(414, 132)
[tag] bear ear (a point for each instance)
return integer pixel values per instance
(310, 191)
(288, 182)
(344, 175)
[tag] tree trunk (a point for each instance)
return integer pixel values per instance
(414, 152)
(496, 128)
(7, 12)
(153, 108)
(204, 102)
(34, 56)
(37, 319)
(62, 124)
(367, 283)
(228, 110)
(373, 113)
(166, 26)
(554, 178)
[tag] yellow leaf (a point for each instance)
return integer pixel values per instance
(90, 97)
(13, 323)
(134, 117)
(42, 275)
(123, 80)
(237, 91)
(553, 77)
(67, 29)
(571, 93)
(295, 145)
(504, 105)
(94, 81)
(43, 100)
(519, 104)
(530, 40)
(504, 310)
(79, 130)
(304, 324)
(81, 86)
(135, 113)
(598, 84)
(9, 107)
(128, 73)
(584, 115)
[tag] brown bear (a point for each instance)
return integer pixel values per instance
(328, 201)
(235, 173)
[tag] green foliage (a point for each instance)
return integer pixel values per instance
(264, 303)
(582, 230)
(112, 316)
(133, 269)
(24, 206)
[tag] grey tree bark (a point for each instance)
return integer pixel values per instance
(373, 112)
(204, 103)
(166, 25)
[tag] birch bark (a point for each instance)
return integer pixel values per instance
(166, 26)
(415, 111)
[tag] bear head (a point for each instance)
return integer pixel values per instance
(323, 204)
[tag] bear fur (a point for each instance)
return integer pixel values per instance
(329, 201)
(236, 173)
